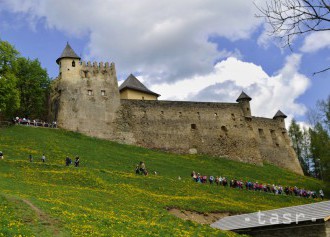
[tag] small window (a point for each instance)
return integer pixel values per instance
(59, 64)
(142, 97)
(261, 133)
(247, 109)
(103, 92)
(162, 112)
(73, 63)
(193, 126)
(90, 92)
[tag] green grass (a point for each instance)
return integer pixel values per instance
(104, 197)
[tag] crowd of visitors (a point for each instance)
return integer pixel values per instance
(255, 186)
(34, 122)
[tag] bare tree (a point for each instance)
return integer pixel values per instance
(291, 18)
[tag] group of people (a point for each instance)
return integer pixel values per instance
(43, 158)
(68, 161)
(35, 122)
(141, 168)
(255, 186)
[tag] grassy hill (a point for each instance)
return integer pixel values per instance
(104, 197)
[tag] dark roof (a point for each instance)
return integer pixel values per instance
(310, 212)
(279, 114)
(67, 53)
(134, 84)
(243, 96)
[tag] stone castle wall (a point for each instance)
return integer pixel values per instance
(86, 99)
(217, 129)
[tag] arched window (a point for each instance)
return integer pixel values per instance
(73, 63)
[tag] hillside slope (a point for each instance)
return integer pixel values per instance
(104, 197)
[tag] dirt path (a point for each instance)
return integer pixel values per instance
(44, 218)
(201, 218)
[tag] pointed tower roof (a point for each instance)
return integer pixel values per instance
(243, 96)
(134, 84)
(67, 53)
(279, 114)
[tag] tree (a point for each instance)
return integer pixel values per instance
(33, 84)
(291, 18)
(300, 144)
(9, 99)
(320, 149)
(9, 95)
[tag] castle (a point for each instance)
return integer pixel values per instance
(85, 98)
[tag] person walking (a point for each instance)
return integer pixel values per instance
(30, 158)
(43, 158)
(1, 155)
(321, 194)
(76, 162)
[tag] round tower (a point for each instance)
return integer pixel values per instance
(279, 117)
(244, 101)
(69, 63)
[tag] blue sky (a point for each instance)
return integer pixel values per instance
(189, 50)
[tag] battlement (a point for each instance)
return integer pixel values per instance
(96, 65)
(90, 69)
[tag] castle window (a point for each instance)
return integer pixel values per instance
(73, 63)
(162, 112)
(60, 64)
(273, 135)
(193, 126)
(247, 109)
(90, 92)
(261, 133)
(142, 97)
(103, 92)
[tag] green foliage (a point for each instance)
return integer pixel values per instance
(8, 57)
(9, 99)
(104, 197)
(320, 148)
(33, 84)
(300, 144)
(24, 85)
(9, 95)
(320, 138)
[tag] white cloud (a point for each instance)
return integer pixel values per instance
(163, 40)
(316, 41)
(231, 76)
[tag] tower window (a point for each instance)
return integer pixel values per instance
(193, 126)
(90, 92)
(73, 63)
(103, 92)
